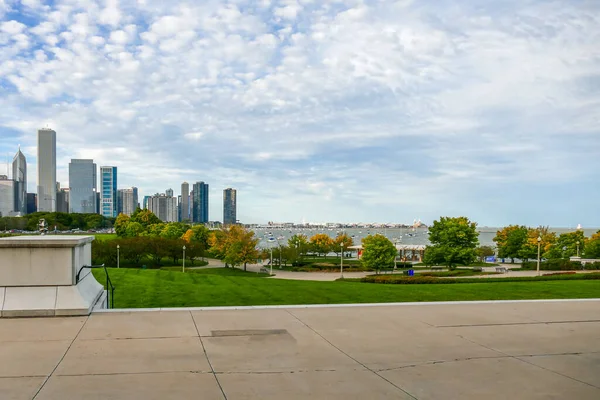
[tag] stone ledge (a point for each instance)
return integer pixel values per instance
(45, 241)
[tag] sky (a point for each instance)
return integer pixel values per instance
(341, 110)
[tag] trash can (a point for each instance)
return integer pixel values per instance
(144, 267)
(411, 272)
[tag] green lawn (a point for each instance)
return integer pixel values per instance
(156, 288)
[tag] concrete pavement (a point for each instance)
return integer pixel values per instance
(520, 350)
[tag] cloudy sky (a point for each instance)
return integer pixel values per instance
(341, 110)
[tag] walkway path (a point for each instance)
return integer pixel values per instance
(497, 351)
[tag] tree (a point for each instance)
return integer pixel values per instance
(342, 241)
(567, 244)
(121, 225)
(134, 229)
(173, 230)
(321, 243)
(510, 241)
(197, 233)
(133, 249)
(145, 217)
(530, 248)
(453, 242)
(234, 244)
(378, 252)
(483, 252)
(592, 248)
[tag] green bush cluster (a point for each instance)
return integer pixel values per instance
(136, 251)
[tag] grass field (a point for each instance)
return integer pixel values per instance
(222, 287)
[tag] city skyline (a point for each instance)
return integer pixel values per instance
(437, 108)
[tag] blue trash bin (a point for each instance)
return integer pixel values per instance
(411, 272)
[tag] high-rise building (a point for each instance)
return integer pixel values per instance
(82, 186)
(7, 196)
(184, 209)
(31, 203)
(164, 207)
(46, 170)
(145, 203)
(169, 192)
(108, 191)
(19, 170)
(129, 198)
(200, 203)
(229, 206)
(119, 201)
(62, 199)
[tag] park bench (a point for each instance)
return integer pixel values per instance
(264, 270)
(437, 268)
(477, 269)
(504, 270)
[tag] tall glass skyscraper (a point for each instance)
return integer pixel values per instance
(82, 186)
(108, 191)
(185, 202)
(200, 202)
(19, 170)
(229, 206)
(46, 170)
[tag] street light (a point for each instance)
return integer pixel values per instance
(577, 248)
(183, 267)
(118, 256)
(342, 260)
(539, 240)
(271, 250)
(396, 254)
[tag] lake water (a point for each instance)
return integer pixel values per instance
(404, 235)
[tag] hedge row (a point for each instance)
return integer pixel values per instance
(407, 280)
(560, 264)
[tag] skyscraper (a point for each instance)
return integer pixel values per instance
(169, 192)
(31, 203)
(164, 207)
(229, 206)
(62, 199)
(108, 191)
(200, 203)
(82, 186)
(7, 196)
(19, 170)
(46, 170)
(185, 202)
(129, 200)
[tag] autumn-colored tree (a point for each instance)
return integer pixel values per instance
(530, 248)
(173, 230)
(121, 225)
(483, 252)
(154, 230)
(145, 217)
(342, 241)
(235, 245)
(510, 241)
(198, 234)
(321, 243)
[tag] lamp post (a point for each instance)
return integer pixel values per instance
(577, 248)
(118, 256)
(539, 240)
(183, 267)
(342, 260)
(396, 255)
(271, 250)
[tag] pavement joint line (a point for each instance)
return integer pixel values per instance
(517, 357)
(294, 306)
(519, 323)
(61, 359)
(206, 355)
(140, 373)
(555, 372)
(352, 358)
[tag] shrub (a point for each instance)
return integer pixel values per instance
(399, 279)
(558, 264)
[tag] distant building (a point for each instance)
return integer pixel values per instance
(164, 207)
(229, 206)
(62, 199)
(169, 192)
(129, 200)
(145, 203)
(19, 170)
(82, 186)
(119, 201)
(200, 202)
(184, 209)
(46, 170)
(31, 203)
(108, 191)
(7, 196)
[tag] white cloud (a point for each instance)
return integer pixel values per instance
(332, 110)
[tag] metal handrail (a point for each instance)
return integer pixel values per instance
(110, 288)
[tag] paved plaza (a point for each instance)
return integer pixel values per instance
(507, 350)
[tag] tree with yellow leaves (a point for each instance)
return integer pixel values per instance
(321, 243)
